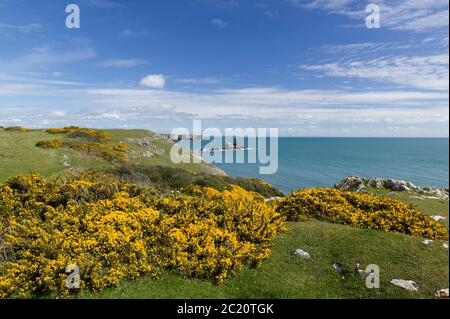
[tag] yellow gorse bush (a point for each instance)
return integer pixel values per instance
(91, 146)
(100, 150)
(121, 148)
(54, 144)
(114, 230)
(16, 129)
(213, 234)
(77, 132)
(359, 210)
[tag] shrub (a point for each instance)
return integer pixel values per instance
(54, 144)
(121, 148)
(99, 150)
(77, 132)
(89, 134)
(213, 234)
(169, 178)
(16, 129)
(359, 210)
(57, 131)
(113, 230)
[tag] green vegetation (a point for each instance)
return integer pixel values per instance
(166, 178)
(283, 275)
(20, 155)
(359, 210)
(16, 129)
(56, 143)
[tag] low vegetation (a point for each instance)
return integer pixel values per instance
(361, 211)
(16, 129)
(113, 230)
(77, 132)
(53, 144)
(143, 227)
(99, 150)
(166, 179)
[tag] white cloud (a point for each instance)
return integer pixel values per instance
(219, 23)
(40, 58)
(130, 34)
(413, 15)
(9, 29)
(125, 63)
(322, 112)
(155, 81)
(425, 72)
(199, 81)
(105, 4)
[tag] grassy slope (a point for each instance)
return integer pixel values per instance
(20, 155)
(283, 275)
(287, 276)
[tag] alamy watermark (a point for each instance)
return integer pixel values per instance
(233, 146)
(372, 276)
(73, 277)
(373, 20)
(74, 17)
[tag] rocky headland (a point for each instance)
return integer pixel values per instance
(361, 185)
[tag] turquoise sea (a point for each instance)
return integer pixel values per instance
(321, 162)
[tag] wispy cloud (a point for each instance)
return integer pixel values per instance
(10, 29)
(424, 72)
(412, 15)
(219, 23)
(130, 34)
(321, 109)
(105, 4)
(122, 63)
(42, 57)
(199, 81)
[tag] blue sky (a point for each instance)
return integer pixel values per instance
(309, 68)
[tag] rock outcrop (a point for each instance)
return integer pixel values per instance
(355, 183)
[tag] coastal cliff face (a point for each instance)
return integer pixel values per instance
(358, 184)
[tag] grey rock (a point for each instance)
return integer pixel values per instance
(350, 183)
(355, 183)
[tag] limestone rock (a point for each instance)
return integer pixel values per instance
(443, 293)
(302, 253)
(406, 284)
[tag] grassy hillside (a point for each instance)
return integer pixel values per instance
(283, 275)
(20, 155)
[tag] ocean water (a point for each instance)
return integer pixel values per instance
(321, 162)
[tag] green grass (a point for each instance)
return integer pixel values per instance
(285, 275)
(20, 155)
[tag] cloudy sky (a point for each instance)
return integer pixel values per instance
(307, 67)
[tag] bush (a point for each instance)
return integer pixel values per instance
(89, 134)
(212, 234)
(16, 129)
(113, 230)
(54, 144)
(57, 131)
(77, 132)
(99, 150)
(121, 148)
(169, 178)
(359, 210)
